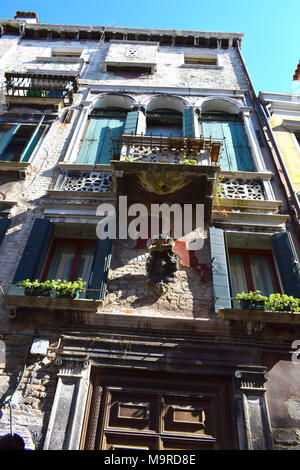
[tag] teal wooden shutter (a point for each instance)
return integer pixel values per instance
(131, 122)
(287, 262)
(4, 225)
(96, 147)
(189, 122)
(100, 269)
(114, 126)
(219, 269)
(89, 146)
(241, 147)
(235, 153)
(5, 138)
(35, 252)
(32, 142)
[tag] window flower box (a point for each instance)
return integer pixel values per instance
(54, 288)
(252, 300)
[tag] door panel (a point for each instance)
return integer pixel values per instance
(139, 413)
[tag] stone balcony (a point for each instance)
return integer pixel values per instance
(166, 169)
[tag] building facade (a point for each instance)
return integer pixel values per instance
(156, 353)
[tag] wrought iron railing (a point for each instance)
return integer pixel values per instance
(162, 149)
(41, 85)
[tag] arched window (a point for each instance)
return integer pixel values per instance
(165, 122)
(96, 145)
(222, 120)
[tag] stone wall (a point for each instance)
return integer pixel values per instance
(30, 383)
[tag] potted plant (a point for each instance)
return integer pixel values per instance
(38, 289)
(71, 290)
(252, 300)
(282, 303)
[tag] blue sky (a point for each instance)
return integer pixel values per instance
(271, 45)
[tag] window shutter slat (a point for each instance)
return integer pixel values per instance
(100, 269)
(34, 255)
(32, 142)
(189, 122)
(287, 263)
(4, 225)
(219, 269)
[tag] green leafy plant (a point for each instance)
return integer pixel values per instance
(252, 295)
(282, 303)
(69, 289)
(55, 287)
(252, 300)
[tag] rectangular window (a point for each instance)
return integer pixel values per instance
(252, 270)
(69, 260)
(66, 51)
(297, 135)
(200, 59)
(18, 141)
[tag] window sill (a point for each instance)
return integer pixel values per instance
(20, 168)
(259, 316)
(18, 302)
(201, 66)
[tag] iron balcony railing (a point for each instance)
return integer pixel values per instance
(150, 148)
(41, 85)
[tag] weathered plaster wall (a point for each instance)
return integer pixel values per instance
(283, 397)
(189, 294)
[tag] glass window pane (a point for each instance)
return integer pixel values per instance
(165, 131)
(237, 275)
(61, 265)
(262, 274)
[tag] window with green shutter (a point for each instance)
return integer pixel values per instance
(96, 146)
(164, 122)
(18, 141)
(235, 153)
(67, 259)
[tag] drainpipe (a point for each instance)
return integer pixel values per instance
(286, 182)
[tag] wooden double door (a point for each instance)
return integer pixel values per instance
(150, 411)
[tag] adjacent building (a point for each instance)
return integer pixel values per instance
(156, 353)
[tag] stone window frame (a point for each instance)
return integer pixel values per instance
(201, 55)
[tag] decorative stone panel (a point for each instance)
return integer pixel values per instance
(242, 189)
(86, 182)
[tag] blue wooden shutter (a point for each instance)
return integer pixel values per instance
(89, 146)
(100, 269)
(32, 142)
(241, 147)
(35, 252)
(114, 126)
(235, 153)
(287, 262)
(96, 146)
(131, 122)
(5, 138)
(189, 122)
(4, 225)
(219, 269)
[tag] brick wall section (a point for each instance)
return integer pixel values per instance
(33, 398)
